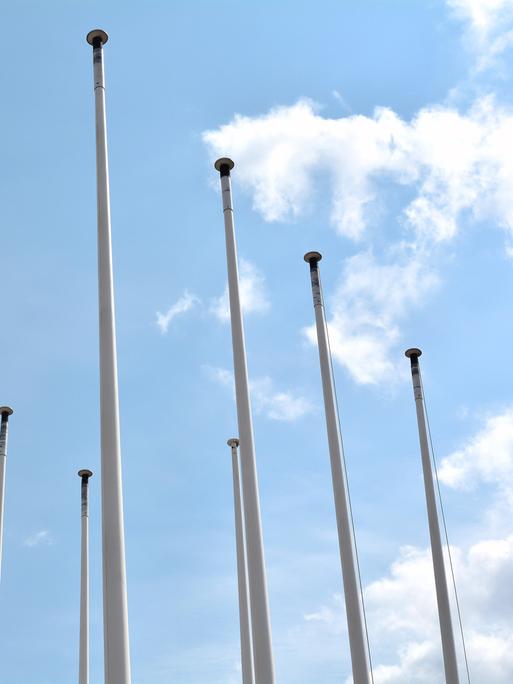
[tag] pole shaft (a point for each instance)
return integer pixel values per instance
(83, 668)
(442, 594)
(3, 464)
(260, 622)
(354, 609)
(115, 611)
(242, 575)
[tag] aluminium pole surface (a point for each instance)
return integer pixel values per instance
(442, 594)
(83, 658)
(358, 644)
(5, 412)
(242, 572)
(259, 605)
(115, 610)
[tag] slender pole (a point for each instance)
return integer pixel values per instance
(115, 610)
(83, 658)
(358, 643)
(242, 572)
(442, 594)
(5, 412)
(259, 607)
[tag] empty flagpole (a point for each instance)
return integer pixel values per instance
(442, 594)
(115, 610)
(259, 605)
(242, 572)
(358, 644)
(83, 659)
(5, 412)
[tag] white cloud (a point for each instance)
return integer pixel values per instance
(252, 290)
(285, 406)
(490, 24)
(455, 162)
(366, 308)
(486, 457)
(455, 165)
(42, 538)
(186, 302)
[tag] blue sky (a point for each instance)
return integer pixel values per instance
(380, 134)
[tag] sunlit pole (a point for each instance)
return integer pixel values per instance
(115, 611)
(442, 594)
(5, 412)
(242, 572)
(259, 605)
(83, 659)
(358, 645)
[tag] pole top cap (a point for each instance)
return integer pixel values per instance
(97, 33)
(312, 256)
(6, 409)
(222, 162)
(413, 352)
(85, 473)
(233, 442)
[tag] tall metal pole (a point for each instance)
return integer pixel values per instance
(242, 572)
(358, 644)
(83, 658)
(259, 606)
(5, 412)
(442, 594)
(115, 611)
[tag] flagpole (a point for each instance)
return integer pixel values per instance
(83, 660)
(115, 609)
(5, 412)
(242, 572)
(358, 644)
(259, 605)
(442, 594)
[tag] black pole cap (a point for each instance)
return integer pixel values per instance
(97, 37)
(413, 354)
(85, 474)
(224, 165)
(312, 258)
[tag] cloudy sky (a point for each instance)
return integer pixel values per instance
(379, 133)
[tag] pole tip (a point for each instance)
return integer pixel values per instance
(413, 352)
(312, 256)
(233, 442)
(6, 409)
(224, 162)
(85, 473)
(97, 33)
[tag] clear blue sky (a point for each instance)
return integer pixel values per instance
(378, 133)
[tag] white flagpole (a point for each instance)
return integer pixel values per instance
(259, 605)
(358, 644)
(83, 660)
(115, 610)
(442, 594)
(5, 412)
(242, 572)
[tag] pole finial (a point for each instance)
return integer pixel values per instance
(224, 165)
(6, 410)
(85, 474)
(413, 353)
(312, 256)
(233, 442)
(97, 35)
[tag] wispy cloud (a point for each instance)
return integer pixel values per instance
(41, 538)
(490, 27)
(252, 289)
(275, 404)
(370, 301)
(186, 302)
